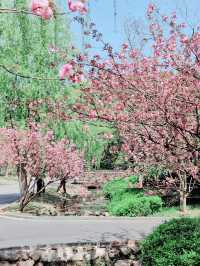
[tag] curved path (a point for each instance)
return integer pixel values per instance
(8, 193)
(21, 231)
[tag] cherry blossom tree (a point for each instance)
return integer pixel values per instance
(38, 156)
(152, 99)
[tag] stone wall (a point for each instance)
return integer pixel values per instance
(97, 178)
(104, 254)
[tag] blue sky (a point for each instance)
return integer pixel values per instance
(102, 14)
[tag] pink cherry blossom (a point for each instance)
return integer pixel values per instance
(92, 114)
(65, 71)
(42, 8)
(88, 46)
(150, 9)
(125, 45)
(78, 6)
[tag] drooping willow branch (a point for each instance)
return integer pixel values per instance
(23, 11)
(12, 72)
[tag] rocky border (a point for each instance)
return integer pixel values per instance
(75, 254)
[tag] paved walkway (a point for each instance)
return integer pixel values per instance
(8, 193)
(57, 230)
(21, 231)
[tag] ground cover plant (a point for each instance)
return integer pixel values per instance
(176, 242)
(126, 199)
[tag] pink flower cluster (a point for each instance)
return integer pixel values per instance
(78, 6)
(68, 71)
(39, 154)
(150, 9)
(42, 8)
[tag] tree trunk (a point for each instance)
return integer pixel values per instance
(183, 202)
(22, 177)
(21, 204)
(183, 193)
(40, 186)
(62, 186)
(23, 186)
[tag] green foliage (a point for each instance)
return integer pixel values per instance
(126, 200)
(115, 186)
(175, 243)
(134, 205)
(122, 162)
(24, 49)
(154, 172)
(118, 186)
(89, 141)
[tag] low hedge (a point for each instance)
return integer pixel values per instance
(118, 186)
(175, 243)
(134, 205)
(125, 200)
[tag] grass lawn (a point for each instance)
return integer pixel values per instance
(46, 204)
(53, 203)
(174, 212)
(8, 179)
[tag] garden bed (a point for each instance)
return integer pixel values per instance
(89, 197)
(71, 203)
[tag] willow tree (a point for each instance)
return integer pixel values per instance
(28, 62)
(32, 50)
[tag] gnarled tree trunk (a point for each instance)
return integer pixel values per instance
(22, 177)
(40, 186)
(62, 186)
(183, 193)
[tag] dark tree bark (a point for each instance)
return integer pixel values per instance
(40, 186)
(62, 186)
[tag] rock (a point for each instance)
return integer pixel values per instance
(100, 252)
(79, 254)
(124, 263)
(6, 263)
(25, 263)
(49, 255)
(136, 263)
(36, 254)
(127, 263)
(39, 264)
(134, 246)
(68, 253)
(113, 253)
(125, 250)
(72, 213)
(118, 253)
(22, 255)
(10, 254)
(88, 213)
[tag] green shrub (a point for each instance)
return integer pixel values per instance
(133, 179)
(114, 186)
(119, 186)
(134, 205)
(175, 243)
(125, 200)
